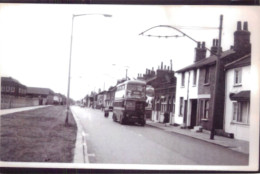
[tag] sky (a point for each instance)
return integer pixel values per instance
(35, 41)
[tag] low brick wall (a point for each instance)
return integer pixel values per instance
(8, 102)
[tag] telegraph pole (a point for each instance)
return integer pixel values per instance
(216, 85)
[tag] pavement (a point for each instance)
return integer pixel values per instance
(233, 144)
(13, 110)
(80, 151)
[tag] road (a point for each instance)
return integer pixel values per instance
(112, 143)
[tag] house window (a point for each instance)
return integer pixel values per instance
(241, 112)
(194, 77)
(3, 89)
(7, 89)
(204, 109)
(183, 79)
(12, 89)
(206, 80)
(181, 106)
(238, 76)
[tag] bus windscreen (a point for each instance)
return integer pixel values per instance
(135, 91)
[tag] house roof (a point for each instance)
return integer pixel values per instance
(241, 96)
(10, 79)
(34, 90)
(243, 61)
(207, 61)
(151, 79)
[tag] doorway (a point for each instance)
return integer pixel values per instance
(193, 113)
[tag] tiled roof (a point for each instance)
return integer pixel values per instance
(243, 61)
(207, 61)
(10, 79)
(151, 79)
(34, 90)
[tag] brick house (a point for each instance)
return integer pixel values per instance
(195, 83)
(163, 82)
(11, 86)
(110, 96)
(101, 100)
(237, 98)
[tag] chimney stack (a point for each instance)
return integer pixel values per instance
(242, 43)
(200, 52)
(214, 48)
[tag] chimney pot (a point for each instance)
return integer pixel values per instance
(198, 45)
(216, 43)
(239, 25)
(161, 65)
(203, 44)
(165, 67)
(245, 27)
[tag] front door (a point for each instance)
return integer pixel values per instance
(185, 113)
(193, 113)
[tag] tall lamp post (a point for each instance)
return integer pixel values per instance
(212, 132)
(68, 92)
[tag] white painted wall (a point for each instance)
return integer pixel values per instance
(240, 131)
(182, 91)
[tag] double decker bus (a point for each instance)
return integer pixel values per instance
(130, 101)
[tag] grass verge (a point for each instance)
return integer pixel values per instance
(38, 136)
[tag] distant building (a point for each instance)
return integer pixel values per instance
(59, 99)
(101, 97)
(45, 95)
(237, 98)
(11, 86)
(110, 96)
(90, 100)
(163, 82)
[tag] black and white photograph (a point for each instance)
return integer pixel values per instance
(135, 87)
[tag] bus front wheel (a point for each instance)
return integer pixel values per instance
(122, 121)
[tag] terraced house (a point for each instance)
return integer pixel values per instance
(163, 81)
(237, 98)
(195, 83)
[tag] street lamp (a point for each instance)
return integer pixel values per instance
(216, 87)
(68, 92)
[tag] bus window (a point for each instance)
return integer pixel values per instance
(135, 91)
